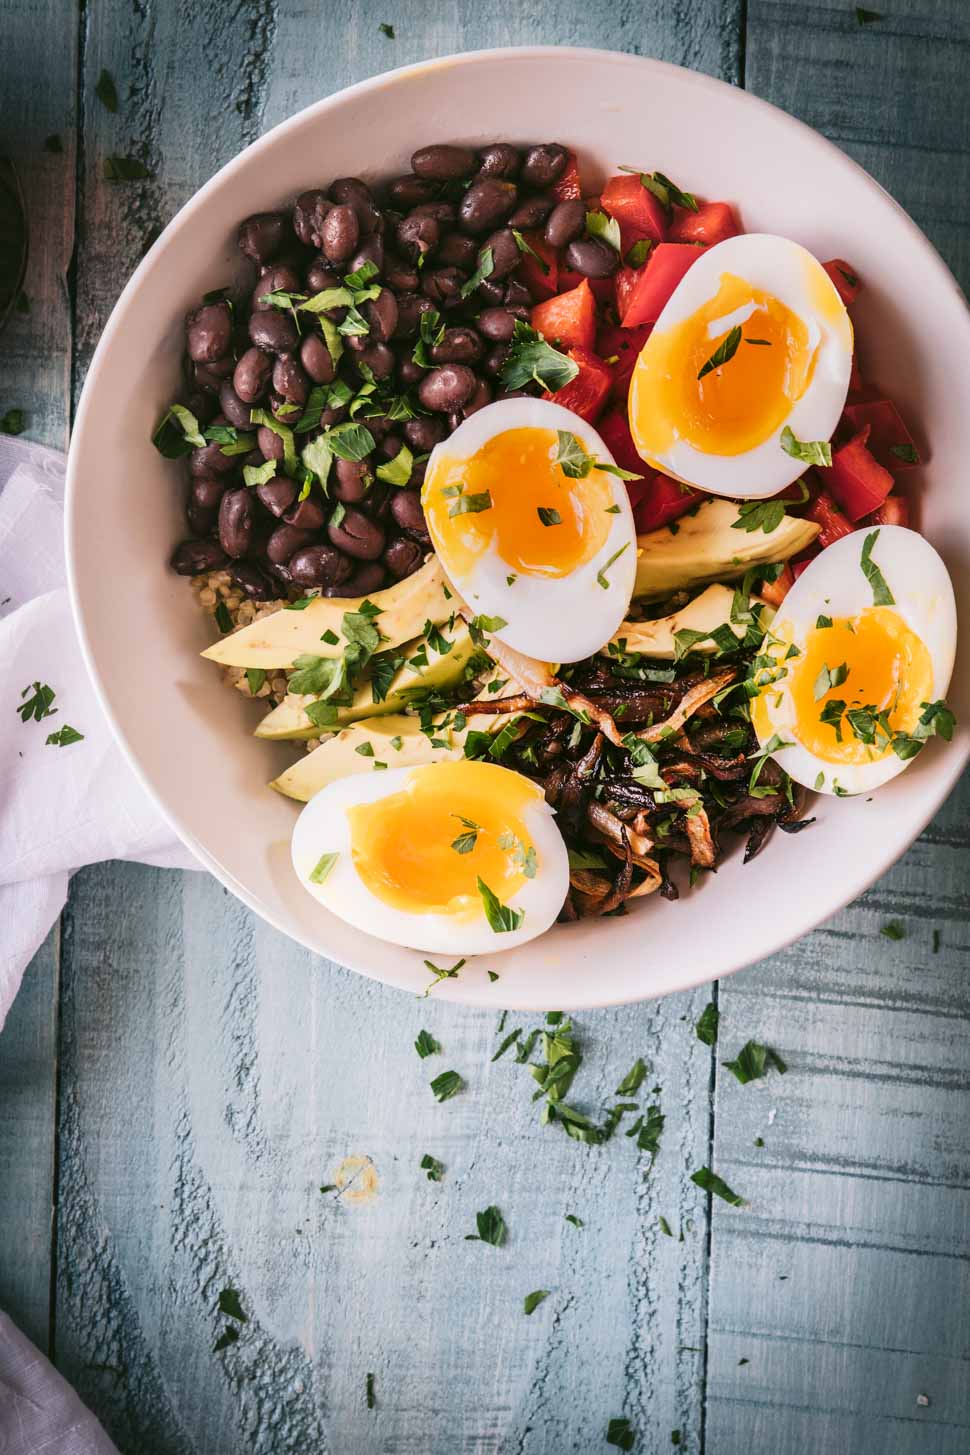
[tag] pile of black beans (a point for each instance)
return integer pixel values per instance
(426, 234)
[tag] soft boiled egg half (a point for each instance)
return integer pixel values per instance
(753, 342)
(861, 652)
(456, 857)
(531, 530)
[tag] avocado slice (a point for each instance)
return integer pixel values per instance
(708, 611)
(276, 640)
(289, 720)
(705, 547)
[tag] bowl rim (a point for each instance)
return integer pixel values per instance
(947, 771)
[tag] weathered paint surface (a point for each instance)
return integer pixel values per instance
(213, 1077)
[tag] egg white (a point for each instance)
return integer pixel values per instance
(788, 272)
(833, 585)
(560, 619)
(323, 828)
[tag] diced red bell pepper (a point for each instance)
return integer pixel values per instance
(774, 592)
(602, 288)
(641, 293)
(585, 395)
(845, 279)
(889, 439)
(710, 224)
(568, 319)
(857, 481)
(568, 187)
(623, 345)
(614, 428)
(542, 282)
(803, 563)
(663, 501)
(829, 518)
(634, 208)
(894, 510)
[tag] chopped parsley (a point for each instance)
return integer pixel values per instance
(881, 594)
(620, 1432)
(223, 619)
(706, 1027)
(230, 1305)
(828, 678)
(501, 917)
(532, 1300)
(228, 1336)
(548, 515)
(462, 504)
(576, 462)
(64, 737)
(106, 91)
(13, 422)
(466, 842)
(813, 452)
(766, 515)
(38, 705)
(601, 577)
(523, 246)
(398, 470)
(370, 1395)
(666, 192)
(908, 453)
(491, 1228)
(574, 1220)
(723, 354)
(752, 1061)
(387, 30)
(711, 1182)
(432, 1167)
(486, 265)
(255, 677)
(440, 974)
(426, 1045)
(446, 1085)
(633, 1079)
(607, 229)
(320, 873)
(531, 359)
(124, 169)
(893, 930)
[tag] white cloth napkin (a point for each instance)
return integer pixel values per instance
(39, 1413)
(60, 807)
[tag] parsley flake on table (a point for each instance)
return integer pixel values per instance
(706, 1027)
(620, 1432)
(426, 1045)
(711, 1182)
(576, 1222)
(893, 930)
(752, 1061)
(13, 422)
(38, 705)
(124, 169)
(432, 1167)
(387, 30)
(106, 91)
(491, 1228)
(633, 1079)
(64, 737)
(228, 1336)
(446, 1085)
(510, 1040)
(369, 1389)
(230, 1305)
(532, 1300)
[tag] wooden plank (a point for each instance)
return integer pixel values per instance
(28, 1061)
(215, 1075)
(35, 362)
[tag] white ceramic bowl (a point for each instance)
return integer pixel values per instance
(190, 739)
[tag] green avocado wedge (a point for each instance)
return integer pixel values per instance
(706, 547)
(657, 639)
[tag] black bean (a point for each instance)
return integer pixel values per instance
(592, 257)
(565, 222)
(447, 388)
(409, 515)
(253, 582)
(319, 566)
(496, 359)
(517, 295)
(380, 425)
(352, 192)
(307, 514)
(498, 324)
(379, 359)
(403, 557)
(417, 236)
(208, 332)
(235, 409)
(367, 578)
(282, 409)
(289, 380)
(320, 277)
(489, 293)
(261, 236)
(358, 535)
(410, 191)
(277, 495)
(339, 234)
(210, 376)
(505, 253)
(236, 519)
(379, 499)
(532, 212)
(309, 213)
(201, 402)
(202, 506)
(191, 558)
(273, 331)
(481, 397)
(418, 471)
(333, 414)
(352, 480)
(445, 214)
(458, 251)
(458, 346)
(499, 160)
(381, 313)
(443, 286)
(544, 165)
(400, 275)
(486, 203)
(209, 460)
(316, 359)
(251, 377)
(371, 250)
(390, 445)
(423, 434)
(278, 278)
(444, 163)
(269, 442)
(409, 372)
(410, 307)
(285, 541)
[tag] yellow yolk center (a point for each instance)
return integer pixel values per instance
(873, 662)
(512, 495)
(423, 850)
(740, 403)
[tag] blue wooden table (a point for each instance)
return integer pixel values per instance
(177, 1082)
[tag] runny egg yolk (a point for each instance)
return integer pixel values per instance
(511, 494)
(424, 849)
(873, 661)
(737, 405)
